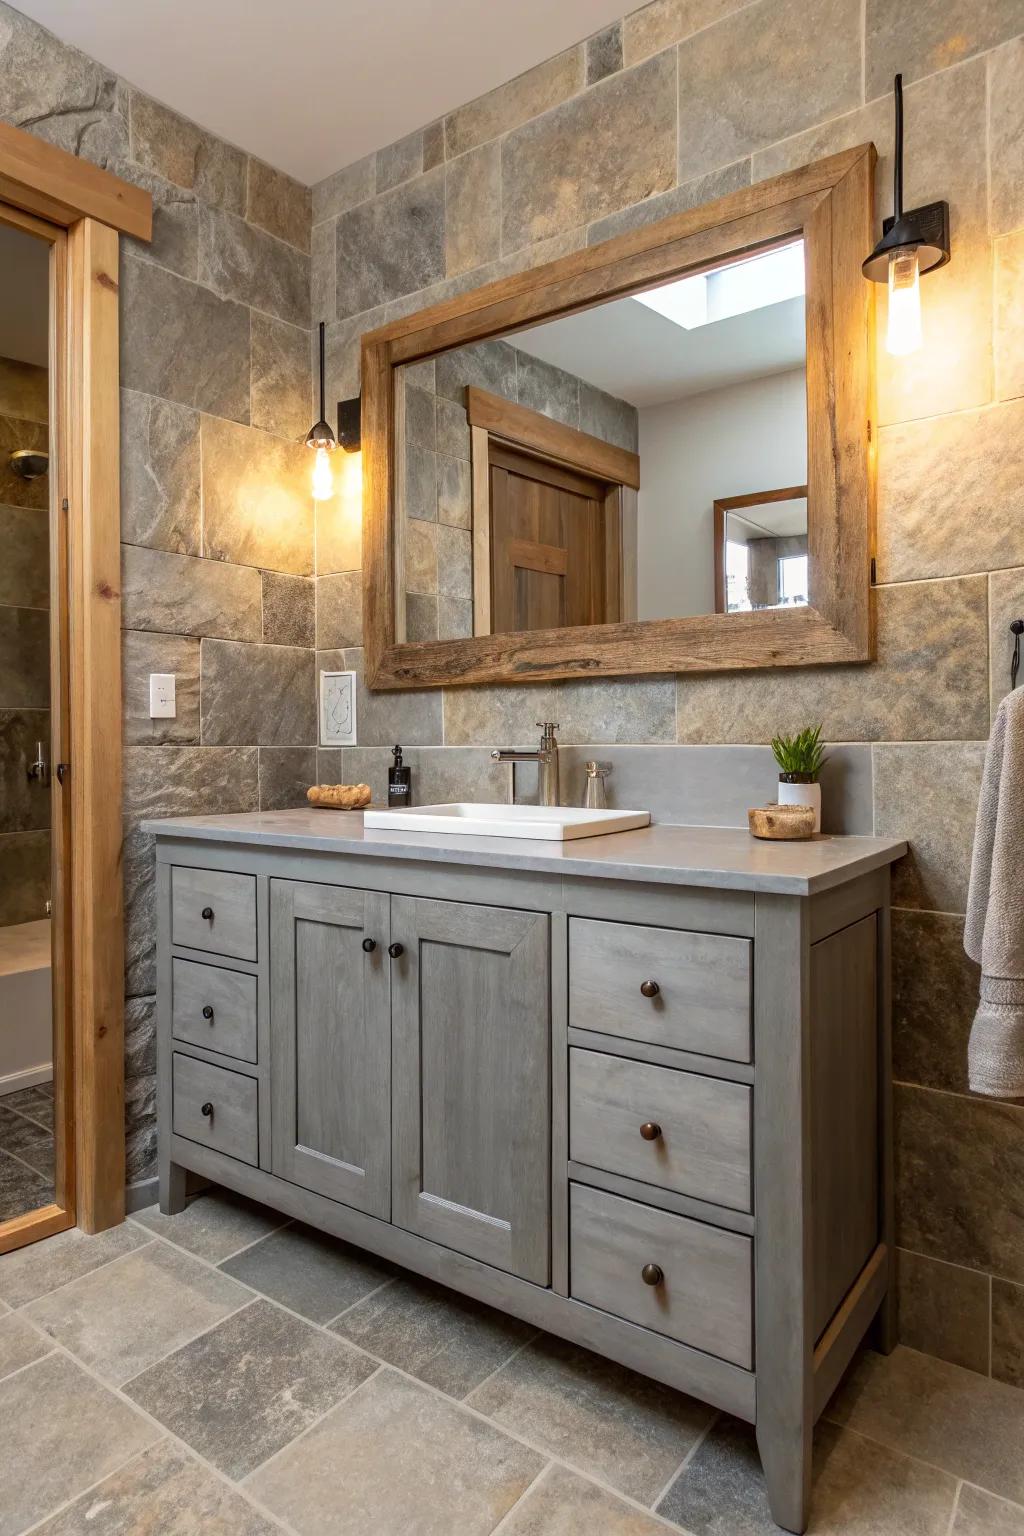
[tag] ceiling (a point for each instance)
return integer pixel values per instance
(641, 356)
(24, 297)
(314, 86)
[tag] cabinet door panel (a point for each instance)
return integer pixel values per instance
(471, 1021)
(331, 1042)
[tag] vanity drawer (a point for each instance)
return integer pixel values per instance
(231, 1121)
(230, 901)
(698, 1128)
(696, 986)
(703, 1292)
(214, 1008)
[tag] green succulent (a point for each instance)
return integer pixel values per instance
(802, 754)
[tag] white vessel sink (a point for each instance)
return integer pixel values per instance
(555, 823)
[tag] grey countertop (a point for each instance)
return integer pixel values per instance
(724, 857)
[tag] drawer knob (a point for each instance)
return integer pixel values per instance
(208, 1013)
(650, 1130)
(396, 950)
(207, 913)
(369, 945)
(649, 988)
(207, 1110)
(652, 1274)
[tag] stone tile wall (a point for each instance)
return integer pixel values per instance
(24, 647)
(685, 100)
(217, 519)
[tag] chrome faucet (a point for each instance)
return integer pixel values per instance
(546, 758)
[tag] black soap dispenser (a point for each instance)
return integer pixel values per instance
(399, 782)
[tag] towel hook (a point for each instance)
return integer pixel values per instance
(1016, 630)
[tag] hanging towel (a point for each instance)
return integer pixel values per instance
(994, 933)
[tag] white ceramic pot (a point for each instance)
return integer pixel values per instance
(802, 794)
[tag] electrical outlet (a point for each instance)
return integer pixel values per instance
(162, 704)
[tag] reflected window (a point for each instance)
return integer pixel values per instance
(793, 579)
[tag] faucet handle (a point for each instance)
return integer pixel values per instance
(548, 725)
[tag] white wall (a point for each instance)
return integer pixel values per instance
(749, 437)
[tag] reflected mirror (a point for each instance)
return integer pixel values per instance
(644, 458)
(27, 1054)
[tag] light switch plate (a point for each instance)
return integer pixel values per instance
(162, 701)
(337, 709)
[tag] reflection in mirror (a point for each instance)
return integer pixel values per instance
(761, 550)
(592, 469)
(26, 1029)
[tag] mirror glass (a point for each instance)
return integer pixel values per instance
(643, 459)
(26, 1015)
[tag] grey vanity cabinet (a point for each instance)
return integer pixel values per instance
(330, 1069)
(471, 1058)
(652, 1116)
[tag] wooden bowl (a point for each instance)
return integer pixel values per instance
(782, 823)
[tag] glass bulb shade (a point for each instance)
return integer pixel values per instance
(323, 476)
(904, 330)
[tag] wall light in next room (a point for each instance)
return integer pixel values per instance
(912, 242)
(321, 439)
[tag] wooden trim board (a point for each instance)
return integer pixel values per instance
(830, 204)
(95, 783)
(61, 188)
(524, 428)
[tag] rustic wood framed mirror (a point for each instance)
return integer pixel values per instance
(542, 455)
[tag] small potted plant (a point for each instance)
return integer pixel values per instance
(800, 759)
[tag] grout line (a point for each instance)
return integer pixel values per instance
(6, 1151)
(243, 1306)
(114, 1259)
(330, 1325)
(60, 1509)
(507, 1517)
(165, 1434)
(38, 1525)
(691, 1453)
(303, 1434)
(893, 1448)
(535, 1335)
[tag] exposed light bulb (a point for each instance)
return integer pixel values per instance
(904, 330)
(323, 476)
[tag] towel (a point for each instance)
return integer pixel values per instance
(994, 932)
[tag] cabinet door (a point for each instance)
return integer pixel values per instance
(471, 1021)
(330, 1073)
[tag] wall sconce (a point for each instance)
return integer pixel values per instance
(912, 242)
(350, 429)
(321, 438)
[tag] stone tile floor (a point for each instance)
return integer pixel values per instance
(26, 1150)
(226, 1373)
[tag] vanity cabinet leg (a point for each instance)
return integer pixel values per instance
(783, 1291)
(172, 1189)
(785, 1452)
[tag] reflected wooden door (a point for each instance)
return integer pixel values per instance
(555, 545)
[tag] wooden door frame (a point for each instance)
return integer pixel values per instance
(551, 442)
(726, 504)
(81, 209)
